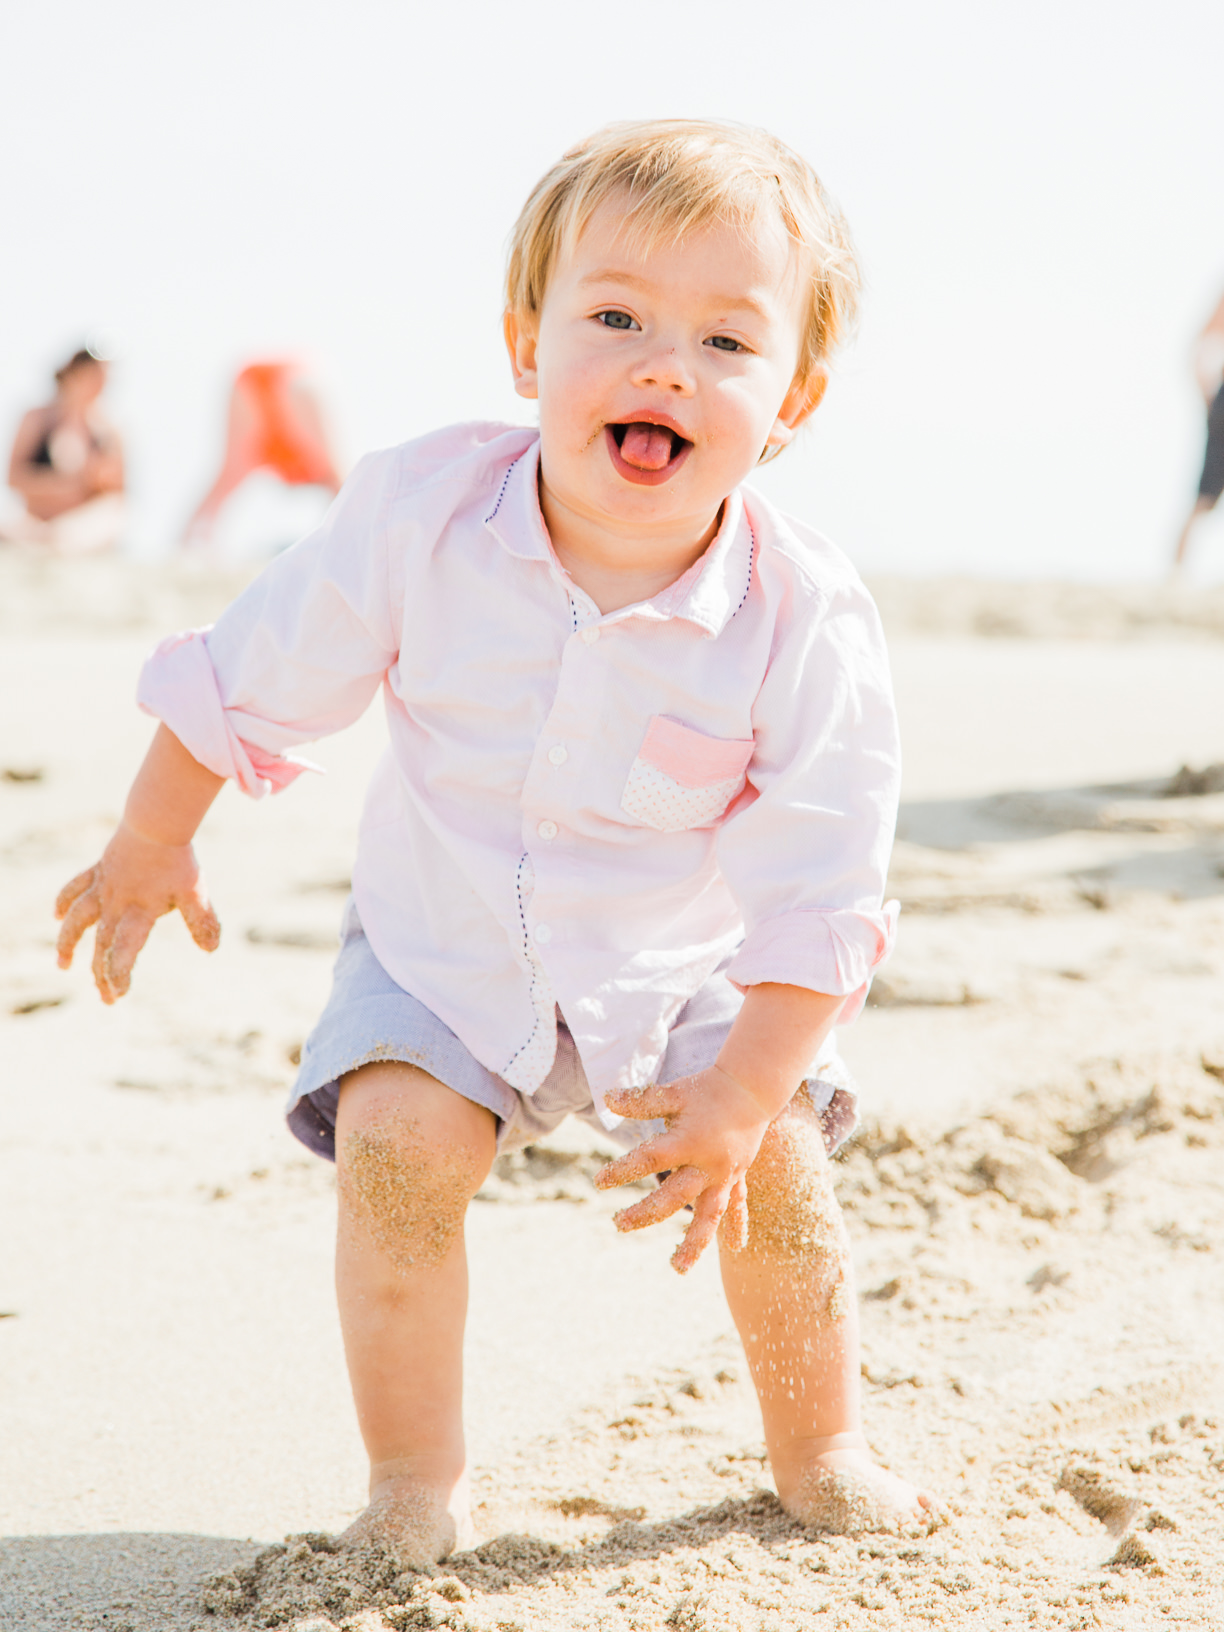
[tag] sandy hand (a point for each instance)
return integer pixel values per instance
(714, 1130)
(136, 882)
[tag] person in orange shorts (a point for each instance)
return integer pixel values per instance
(276, 424)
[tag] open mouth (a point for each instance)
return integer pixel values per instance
(646, 452)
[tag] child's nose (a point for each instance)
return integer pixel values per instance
(666, 368)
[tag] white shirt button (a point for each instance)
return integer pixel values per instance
(547, 830)
(542, 934)
(590, 634)
(558, 755)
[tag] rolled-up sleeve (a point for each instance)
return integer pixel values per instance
(806, 853)
(299, 655)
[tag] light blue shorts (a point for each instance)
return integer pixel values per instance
(368, 1018)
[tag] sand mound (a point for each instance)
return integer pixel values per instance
(1047, 611)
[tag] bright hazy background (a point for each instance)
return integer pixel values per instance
(1035, 189)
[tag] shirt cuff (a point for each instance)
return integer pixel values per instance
(178, 685)
(832, 950)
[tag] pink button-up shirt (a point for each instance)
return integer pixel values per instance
(575, 809)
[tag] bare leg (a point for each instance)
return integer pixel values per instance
(410, 1154)
(1200, 509)
(243, 454)
(791, 1292)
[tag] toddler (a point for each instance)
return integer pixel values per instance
(624, 854)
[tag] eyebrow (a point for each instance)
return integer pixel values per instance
(727, 302)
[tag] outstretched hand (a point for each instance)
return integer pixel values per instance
(714, 1129)
(136, 882)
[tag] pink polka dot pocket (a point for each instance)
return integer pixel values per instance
(681, 778)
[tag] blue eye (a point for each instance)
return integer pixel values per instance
(724, 342)
(616, 320)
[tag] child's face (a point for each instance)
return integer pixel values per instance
(662, 378)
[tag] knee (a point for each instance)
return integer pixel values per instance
(408, 1163)
(793, 1216)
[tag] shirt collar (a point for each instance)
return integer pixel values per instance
(714, 588)
(514, 517)
(709, 594)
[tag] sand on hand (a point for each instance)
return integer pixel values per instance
(1034, 1202)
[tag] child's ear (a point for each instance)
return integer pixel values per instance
(800, 403)
(521, 344)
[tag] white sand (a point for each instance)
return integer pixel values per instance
(171, 1382)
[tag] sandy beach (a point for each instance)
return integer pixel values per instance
(1035, 1198)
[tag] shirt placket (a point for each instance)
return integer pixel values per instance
(548, 798)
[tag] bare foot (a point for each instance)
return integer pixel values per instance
(420, 1523)
(843, 1492)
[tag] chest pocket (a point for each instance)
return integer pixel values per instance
(681, 778)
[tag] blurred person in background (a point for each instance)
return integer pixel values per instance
(275, 424)
(67, 466)
(1209, 372)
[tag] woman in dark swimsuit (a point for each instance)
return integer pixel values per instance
(67, 465)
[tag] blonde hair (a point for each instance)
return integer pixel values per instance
(678, 176)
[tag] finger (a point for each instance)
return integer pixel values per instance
(653, 1157)
(201, 920)
(103, 936)
(642, 1104)
(78, 917)
(734, 1227)
(74, 888)
(707, 1211)
(122, 948)
(683, 1187)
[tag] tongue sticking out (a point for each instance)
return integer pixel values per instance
(648, 447)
